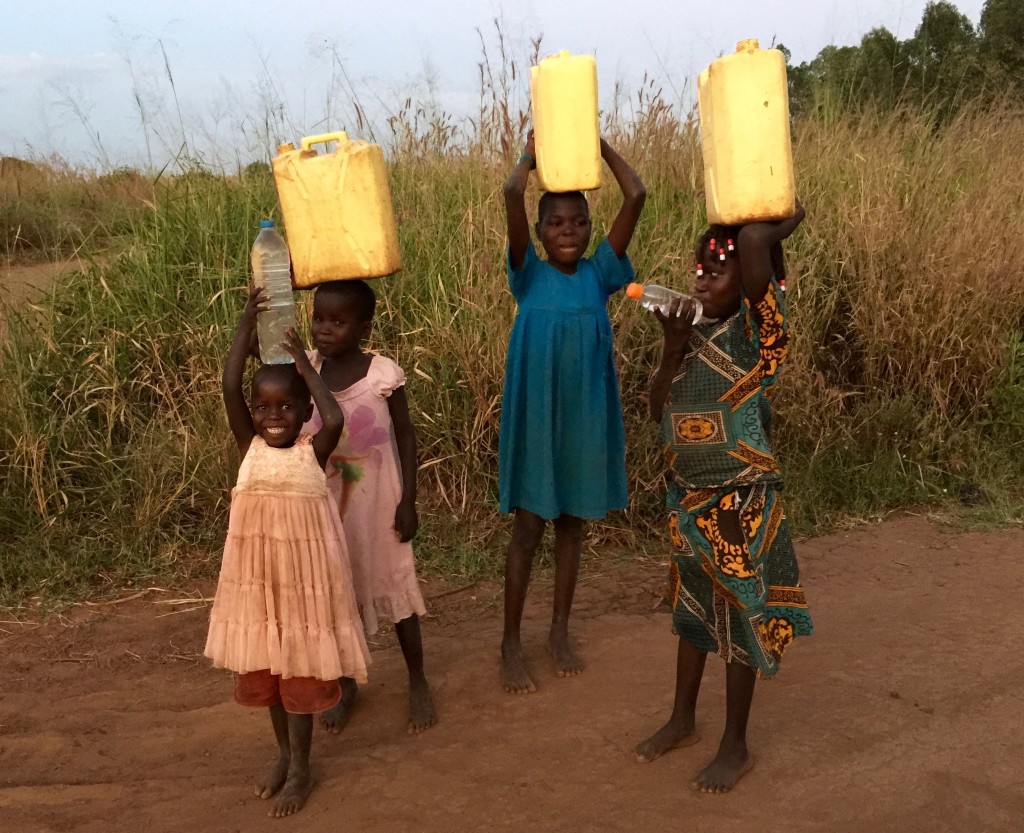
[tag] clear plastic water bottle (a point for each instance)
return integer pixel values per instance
(653, 297)
(271, 269)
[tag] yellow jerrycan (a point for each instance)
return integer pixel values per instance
(744, 127)
(566, 135)
(337, 210)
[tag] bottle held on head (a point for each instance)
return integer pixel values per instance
(271, 269)
(652, 297)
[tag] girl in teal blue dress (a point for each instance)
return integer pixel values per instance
(562, 444)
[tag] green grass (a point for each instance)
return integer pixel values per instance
(905, 385)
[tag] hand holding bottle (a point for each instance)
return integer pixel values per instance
(677, 318)
(653, 298)
(293, 346)
(259, 301)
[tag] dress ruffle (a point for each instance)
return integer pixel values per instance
(285, 600)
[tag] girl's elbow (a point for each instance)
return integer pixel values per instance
(757, 236)
(514, 191)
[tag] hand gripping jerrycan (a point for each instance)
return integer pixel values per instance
(337, 210)
(566, 134)
(744, 128)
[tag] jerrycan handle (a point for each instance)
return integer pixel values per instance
(322, 138)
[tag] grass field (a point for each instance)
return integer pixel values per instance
(905, 384)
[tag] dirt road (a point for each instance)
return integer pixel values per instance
(904, 712)
(25, 283)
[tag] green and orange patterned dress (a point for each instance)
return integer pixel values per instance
(735, 582)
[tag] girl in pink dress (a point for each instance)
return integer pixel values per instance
(372, 476)
(285, 616)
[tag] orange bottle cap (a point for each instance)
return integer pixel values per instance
(635, 291)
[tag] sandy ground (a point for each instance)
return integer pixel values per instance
(19, 282)
(25, 283)
(904, 712)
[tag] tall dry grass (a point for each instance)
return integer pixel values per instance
(906, 298)
(50, 210)
(904, 380)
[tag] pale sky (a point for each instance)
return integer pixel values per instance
(78, 78)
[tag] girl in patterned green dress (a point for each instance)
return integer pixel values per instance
(736, 588)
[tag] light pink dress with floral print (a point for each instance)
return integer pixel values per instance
(365, 482)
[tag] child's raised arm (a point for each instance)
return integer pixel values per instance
(406, 520)
(326, 439)
(515, 204)
(634, 195)
(239, 418)
(760, 251)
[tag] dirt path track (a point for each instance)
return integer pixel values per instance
(904, 712)
(26, 283)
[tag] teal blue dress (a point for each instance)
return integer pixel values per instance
(562, 448)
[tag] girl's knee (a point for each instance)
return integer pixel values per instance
(569, 527)
(409, 626)
(527, 530)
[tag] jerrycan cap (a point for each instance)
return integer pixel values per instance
(748, 45)
(266, 223)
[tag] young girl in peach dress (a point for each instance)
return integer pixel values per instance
(285, 617)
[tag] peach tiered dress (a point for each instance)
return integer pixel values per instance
(285, 598)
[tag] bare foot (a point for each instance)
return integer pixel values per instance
(567, 664)
(275, 780)
(293, 797)
(672, 735)
(422, 714)
(730, 764)
(513, 670)
(336, 717)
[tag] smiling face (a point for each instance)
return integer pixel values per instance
(280, 405)
(340, 324)
(564, 229)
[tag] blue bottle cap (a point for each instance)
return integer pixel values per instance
(266, 223)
